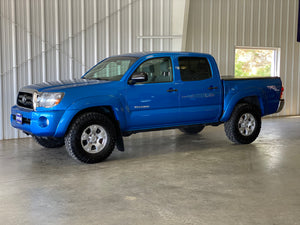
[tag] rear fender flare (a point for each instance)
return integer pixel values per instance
(251, 98)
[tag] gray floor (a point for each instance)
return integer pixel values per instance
(164, 177)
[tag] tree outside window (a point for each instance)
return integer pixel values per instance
(256, 62)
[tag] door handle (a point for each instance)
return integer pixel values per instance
(212, 88)
(171, 90)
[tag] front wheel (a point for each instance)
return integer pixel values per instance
(244, 125)
(91, 138)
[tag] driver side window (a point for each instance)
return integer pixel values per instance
(158, 70)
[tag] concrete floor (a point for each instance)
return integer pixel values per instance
(164, 177)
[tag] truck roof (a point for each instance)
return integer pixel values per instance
(142, 54)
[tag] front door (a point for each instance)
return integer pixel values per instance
(153, 103)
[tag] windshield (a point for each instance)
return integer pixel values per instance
(111, 69)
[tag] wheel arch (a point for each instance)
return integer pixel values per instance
(110, 113)
(254, 100)
(105, 110)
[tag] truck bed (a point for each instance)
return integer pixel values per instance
(265, 89)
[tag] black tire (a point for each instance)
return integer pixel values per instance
(244, 125)
(91, 138)
(195, 129)
(49, 142)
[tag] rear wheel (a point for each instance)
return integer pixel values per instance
(91, 138)
(244, 125)
(49, 142)
(192, 129)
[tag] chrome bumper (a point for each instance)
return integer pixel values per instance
(281, 105)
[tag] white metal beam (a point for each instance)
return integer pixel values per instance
(185, 24)
(95, 32)
(107, 27)
(70, 39)
(118, 27)
(57, 43)
(14, 54)
(29, 52)
(82, 36)
(130, 26)
(43, 28)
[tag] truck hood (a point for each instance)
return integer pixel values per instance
(77, 91)
(58, 86)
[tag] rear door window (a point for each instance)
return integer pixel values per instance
(194, 68)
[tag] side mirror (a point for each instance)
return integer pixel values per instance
(138, 77)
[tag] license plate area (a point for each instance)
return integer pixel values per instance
(19, 118)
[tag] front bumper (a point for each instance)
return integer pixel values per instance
(281, 105)
(36, 123)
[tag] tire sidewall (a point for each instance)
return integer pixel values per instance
(243, 109)
(74, 137)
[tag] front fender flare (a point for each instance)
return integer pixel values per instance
(85, 103)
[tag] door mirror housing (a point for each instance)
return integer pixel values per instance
(138, 77)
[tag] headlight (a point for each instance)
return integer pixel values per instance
(47, 99)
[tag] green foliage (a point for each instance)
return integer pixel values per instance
(264, 71)
(253, 62)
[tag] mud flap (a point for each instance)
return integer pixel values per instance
(119, 139)
(120, 143)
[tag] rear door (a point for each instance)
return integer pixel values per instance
(153, 103)
(200, 91)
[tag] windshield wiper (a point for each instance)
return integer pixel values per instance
(101, 79)
(95, 78)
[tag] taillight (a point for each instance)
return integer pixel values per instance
(281, 93)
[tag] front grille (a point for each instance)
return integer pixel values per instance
(25, 100)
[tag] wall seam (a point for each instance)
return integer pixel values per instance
(286, 43)
(95, 32)
(141, 24)
(29, 53)
(14, 55)
(70, 32)
(57, 44)
(43, 30)
(1, 85)
(107, 28)
(293, 54)
(118, 27)
(266, 24)
(130, 26)
(83, 28)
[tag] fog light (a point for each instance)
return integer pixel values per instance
(43, 121)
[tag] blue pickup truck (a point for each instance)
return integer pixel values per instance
(138, 92)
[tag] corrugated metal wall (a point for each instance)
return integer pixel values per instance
(43, 40)
(217, 26)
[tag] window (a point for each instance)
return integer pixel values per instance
(194, 68)
(111, 69)
(158, 70)
(256, 62)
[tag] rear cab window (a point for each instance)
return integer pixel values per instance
(194, 68)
